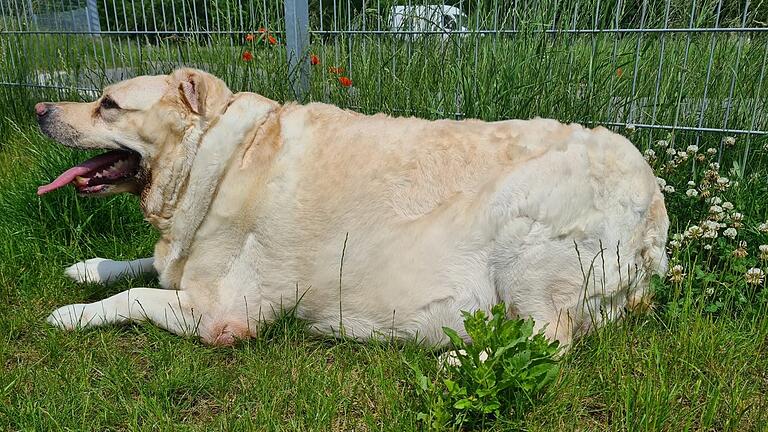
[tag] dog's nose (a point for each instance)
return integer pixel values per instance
(41, 109)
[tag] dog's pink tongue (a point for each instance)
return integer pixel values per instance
(64, 179)
(84, 168)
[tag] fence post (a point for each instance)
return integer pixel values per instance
(297, 45)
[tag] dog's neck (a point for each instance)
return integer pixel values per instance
(178, 203)
(170, 177)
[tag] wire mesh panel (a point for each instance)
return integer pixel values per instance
(671, 65)
(238, 40)
(668, 65)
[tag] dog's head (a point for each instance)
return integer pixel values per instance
(140, 121)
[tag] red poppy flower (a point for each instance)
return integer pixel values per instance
(249, 37)
(336, 70)
(619, 72)
(344, 81)
(314, 60)
(247, 56)
(272, 40)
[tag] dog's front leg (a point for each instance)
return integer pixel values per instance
(104, 271)
(169, 309)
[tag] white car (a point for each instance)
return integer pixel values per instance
(428, 18)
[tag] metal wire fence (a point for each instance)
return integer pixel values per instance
(670, 65)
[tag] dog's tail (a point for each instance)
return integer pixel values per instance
(653, 254)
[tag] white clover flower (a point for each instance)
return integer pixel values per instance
(723, 181)
(692, 149)
(712, 151)
(763, 252)
(650, 152)
(715, 209)
(763, 227)
(691, 183)
(669, 189)
(677, 236)
(671, 151)
(674, 244)
(736, 219)
(682, 155)
(676, 273)
(730, 233)
(714, 166)
(754, 276)
(710, 229)
(691, 193)
(715, 200)
(694, 231)
(661, 182)
(741, 251)
(728, 205)
(708, 247)
(709, 291)
(662, 143)
(729, 140)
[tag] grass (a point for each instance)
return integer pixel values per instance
(697, 362)
(679, 368)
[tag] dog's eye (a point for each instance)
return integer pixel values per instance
(109, 103)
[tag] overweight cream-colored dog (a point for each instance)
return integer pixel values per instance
(372, 225)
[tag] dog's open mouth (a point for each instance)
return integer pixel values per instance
(98, 174)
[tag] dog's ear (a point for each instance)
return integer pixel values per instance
(203, 93)
(193, 91)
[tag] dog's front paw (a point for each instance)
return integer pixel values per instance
(72, 317)
(94, 270)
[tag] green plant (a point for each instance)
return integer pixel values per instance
(503, 370)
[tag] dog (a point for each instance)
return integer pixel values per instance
(366, 226)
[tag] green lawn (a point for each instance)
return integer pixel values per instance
(697, 363)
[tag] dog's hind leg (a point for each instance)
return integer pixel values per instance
(104, 271)
(169, 309)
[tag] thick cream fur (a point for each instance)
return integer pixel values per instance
(563, 223)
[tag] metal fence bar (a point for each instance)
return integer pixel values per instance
(297, 45)
(739, 46)
(632, 107)
(757, 97)
(683, 128)
(684, 68)
(500, 32)
(48, 86)
(712, 43)
(615, 71)
(660, 67)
